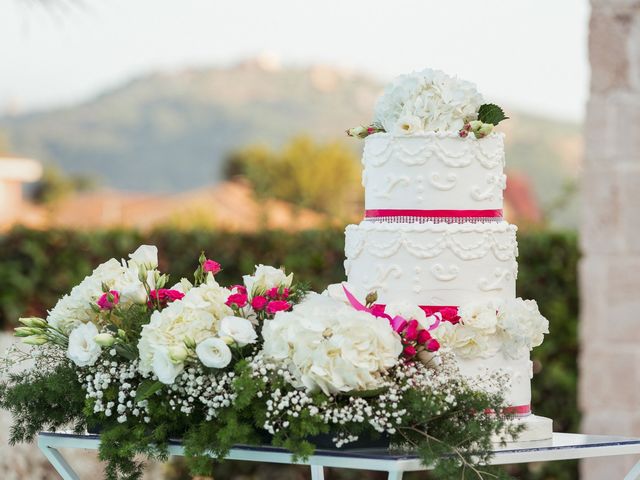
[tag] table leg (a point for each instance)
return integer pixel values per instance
(395, 475)
(634, 474)
(317, 472)
(59, 463)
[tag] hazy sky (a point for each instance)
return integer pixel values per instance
(527, 53)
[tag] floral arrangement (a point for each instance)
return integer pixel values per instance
(263, 361)
(431, 101)
(481, 330)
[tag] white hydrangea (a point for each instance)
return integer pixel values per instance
(75, 308)
(195, 318)
(330, 346)
(428, 100)
(209, 296)
(521, 326)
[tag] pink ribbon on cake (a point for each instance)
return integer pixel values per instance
(377, 310)
(518, 410)
(433, 213)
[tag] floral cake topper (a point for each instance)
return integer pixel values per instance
(431, 101)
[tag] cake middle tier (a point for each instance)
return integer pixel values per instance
(433, 263)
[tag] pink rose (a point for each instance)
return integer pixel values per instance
(164, 296)
(258, 302)
(275, 293)
(108, 300)
(239, 288)
(237, 299)
(409, 351)
(423, 336)
(278, 306)
(433, 345)
(411, 332)
(211, 266)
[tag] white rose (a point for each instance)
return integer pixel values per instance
(146, 256)
(214, 353)
(466, 342)
(239, 329)
(265, 278)
(83, 349)
(480, 316)
(165, 368)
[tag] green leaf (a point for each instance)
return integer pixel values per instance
(491, 113)
(367, 393)
(123, 351)
(148, 388)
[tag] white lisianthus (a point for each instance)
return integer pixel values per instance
(83, 349)
(164, 367)
(146, 256)
(265, 278)
(183, 286)
(439, 101)
(329, 346)
(239, 329)
(408, 124)
(521, 326)
(214, 353)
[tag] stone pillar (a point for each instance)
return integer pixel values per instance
(610, 234)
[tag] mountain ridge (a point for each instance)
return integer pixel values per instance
(171, 131)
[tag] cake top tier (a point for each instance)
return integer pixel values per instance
(431, 153)
(433, 177)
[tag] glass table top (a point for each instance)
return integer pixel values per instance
(560, 441)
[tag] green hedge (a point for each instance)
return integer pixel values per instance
(37, 267)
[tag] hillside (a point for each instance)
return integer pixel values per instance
(172, 131)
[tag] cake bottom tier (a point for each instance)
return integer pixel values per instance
(517, 374)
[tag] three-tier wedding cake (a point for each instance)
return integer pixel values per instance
(434, 235)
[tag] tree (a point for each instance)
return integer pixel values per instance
(323, 177)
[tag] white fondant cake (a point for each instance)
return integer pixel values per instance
(434, 171)
(434, 236)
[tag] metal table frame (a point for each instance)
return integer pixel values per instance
(563, 446)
